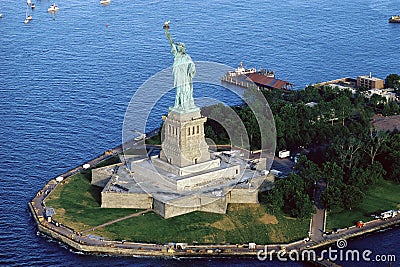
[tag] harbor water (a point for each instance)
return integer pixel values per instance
(66, 80)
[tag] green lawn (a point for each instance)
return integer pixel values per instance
(77, 205)
(243, 223)
(385, 195)
(155, 140)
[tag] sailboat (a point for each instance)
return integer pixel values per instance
(27, 16)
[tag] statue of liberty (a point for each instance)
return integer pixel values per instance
(183, 71)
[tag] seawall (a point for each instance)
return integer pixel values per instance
(89, 244)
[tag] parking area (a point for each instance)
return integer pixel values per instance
(285, 166)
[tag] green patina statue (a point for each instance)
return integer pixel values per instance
(183, 71)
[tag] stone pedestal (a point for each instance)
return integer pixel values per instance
(184, 143)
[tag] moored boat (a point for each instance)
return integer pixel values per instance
(243, 71)
(53, 8)
(394, 19)
(27, 19)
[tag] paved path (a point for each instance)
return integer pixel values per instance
(318, 219)
(117, 220)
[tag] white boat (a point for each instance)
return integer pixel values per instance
(105, 2)
(240, 71)
(1, 15)
(28, 17)
(140, 137)
(53, 8)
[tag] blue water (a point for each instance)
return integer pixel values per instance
(66, 81)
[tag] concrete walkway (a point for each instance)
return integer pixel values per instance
(318, 219)
(117, 220)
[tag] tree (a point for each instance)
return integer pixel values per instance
(391, 158)
(280, 126)
(377, 101)
(359, 101)
(393, 81)
(352, 196)
(332, 198)
(290, 117)
(309, 94)
(342, 107)
(209, 133)
(373, 143)
(394, 171)
(333, 173)
(390, 108)
(308, 169)
(303, 207)
(281, 145)
(347, 151)
(291, 194)
(386, 110)
(274, 198)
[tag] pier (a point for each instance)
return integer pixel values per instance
(261, 79)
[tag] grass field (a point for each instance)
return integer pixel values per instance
(241, 224)
(385, 195)
(77, 205)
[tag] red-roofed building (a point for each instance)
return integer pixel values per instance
(266, 82)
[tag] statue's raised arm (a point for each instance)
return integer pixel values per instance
(171, 42)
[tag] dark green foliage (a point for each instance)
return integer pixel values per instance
(393, 81)
(345, 150)
(273, 199)
(384, 195)
(337, 113)
(390, 159)
(218, 124)
(293, 194)
(391, 108)
(112, 160)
